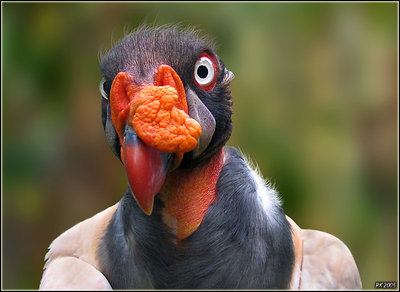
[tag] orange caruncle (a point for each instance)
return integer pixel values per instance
(160, 123)
(158, 113)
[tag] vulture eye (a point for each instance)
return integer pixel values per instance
(205, 72)
(102, 90)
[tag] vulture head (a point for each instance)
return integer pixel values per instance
(166, 105)
(216, 223)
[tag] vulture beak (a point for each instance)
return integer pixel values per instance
(199, 112)
(154, 129)
(146, 169)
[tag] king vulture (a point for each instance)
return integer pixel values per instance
(196, 214)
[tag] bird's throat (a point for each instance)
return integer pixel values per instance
(187, 195)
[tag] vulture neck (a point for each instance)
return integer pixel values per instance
(188, 193)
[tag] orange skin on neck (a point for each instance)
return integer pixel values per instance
(187, 195)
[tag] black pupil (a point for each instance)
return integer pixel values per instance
(202, 71)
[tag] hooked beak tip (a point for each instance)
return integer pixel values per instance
(146, 169)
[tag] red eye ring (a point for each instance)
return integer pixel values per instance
(205, 72)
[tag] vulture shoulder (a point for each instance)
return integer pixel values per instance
(324, 261)
(71, 262)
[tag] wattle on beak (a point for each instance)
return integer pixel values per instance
(154, 130)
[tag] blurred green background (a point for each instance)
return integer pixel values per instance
(315, 106)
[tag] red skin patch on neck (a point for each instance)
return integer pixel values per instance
(187, 194)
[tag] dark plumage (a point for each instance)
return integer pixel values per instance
(213, 222)
(241, 248)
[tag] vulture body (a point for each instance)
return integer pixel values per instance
(196, 214)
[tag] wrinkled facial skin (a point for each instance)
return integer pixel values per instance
(143, 51)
